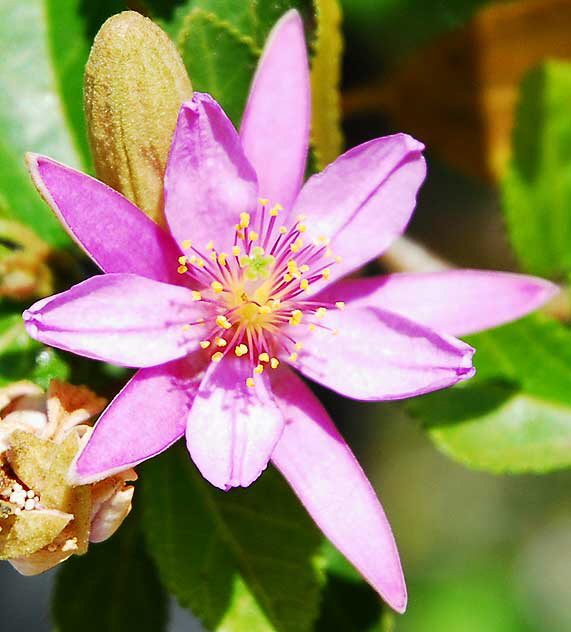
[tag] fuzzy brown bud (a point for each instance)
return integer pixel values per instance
(135, 82)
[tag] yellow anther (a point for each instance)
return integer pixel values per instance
(186, 244)
(263, 201)
(212, 256)
(201, 321)
(296, 317)
(340, 305)
(320, 312)
(274, 363)
(337, 259)
(241, 350)
(204, 344)
(297, 244)
(328, 253)
(287, 277)
(222, 258)
(200, 263)
(217, 286)
(299, 346)
(244, 260)
(304, 284)
(334, 332)
(186, 327)
(264, 357)
(253, 235)
(220, 342)
(239, 233)
(236, 250)
(258, 251)
(326, 273)
(259, 369)
(276, 302)
(301, 228)
(223, 322)
(182, 269)
(265, 309)
(210, 245)
(301, 217)
(274, 211)
(304, 268)
(244, 220)
(311, 327)
(321, 241)
(216, 357)
(293, 356)
(182, 260)
(250, 382)
(283, 230)
(196, 295)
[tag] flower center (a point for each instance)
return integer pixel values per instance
(255, 296)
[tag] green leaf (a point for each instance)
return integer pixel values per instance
(326, 136)
(24, 358)
(514, 416)
(348, 603)
(113, 588)
(45, 44)
(219, 60)
(241, 560)
(537, 186)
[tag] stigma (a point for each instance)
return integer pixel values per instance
(256, 296)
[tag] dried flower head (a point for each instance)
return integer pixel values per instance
(43, 517)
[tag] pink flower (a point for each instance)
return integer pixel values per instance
(242, 287)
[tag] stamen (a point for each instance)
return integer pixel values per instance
(217, 286)
(274, 363)
(340, 304)
(259, 369)
(186, 244)
(216, 357)
(196, 295)
(250, 382)
(205, 344)
(220, 342)
(241, 350)
(264, 357)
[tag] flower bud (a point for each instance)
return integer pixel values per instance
(135, 82)
(43, 518)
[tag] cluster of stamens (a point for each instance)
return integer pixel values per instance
(252, 294)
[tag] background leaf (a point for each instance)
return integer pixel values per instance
(537, 186)
(326, 136)
(23, 358)
(514, 415)
(241, 560)
(113, 588)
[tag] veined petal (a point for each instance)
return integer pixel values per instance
(325, 475)
(363, 200)
(275, 126)
(112, 231)
(144, 419)
(458, 302)
(208, 180)
(378, 355)
(232, 428)
(120, 318)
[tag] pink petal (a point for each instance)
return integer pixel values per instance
(378, 355)
(320, 467)
(232, 429)
(275, 126)
(208, 180)
(458, 302)
(112, 231)
(363, 200)
(120, 318)
(144, 419)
